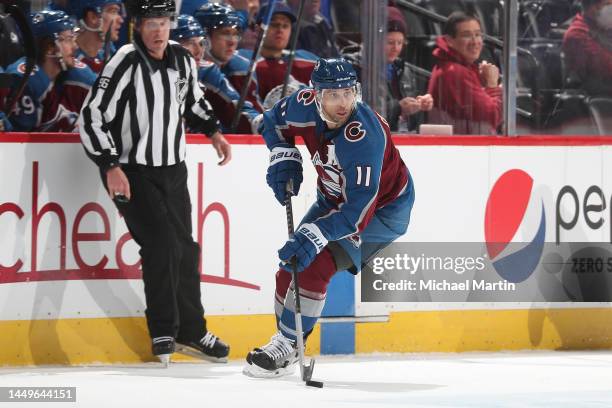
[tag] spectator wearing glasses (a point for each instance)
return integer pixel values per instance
(587, 45)
(466, 94)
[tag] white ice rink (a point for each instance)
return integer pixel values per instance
(526, 379)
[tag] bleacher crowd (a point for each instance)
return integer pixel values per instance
(441, 72)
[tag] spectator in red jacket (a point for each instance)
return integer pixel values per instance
(587, 45)
(466, 94)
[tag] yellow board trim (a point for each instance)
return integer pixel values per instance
(119, 340)
(487, 330)
(126, 340)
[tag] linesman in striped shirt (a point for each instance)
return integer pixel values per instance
(132, 127)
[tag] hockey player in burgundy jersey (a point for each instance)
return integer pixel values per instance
(270, 68)
(218, 90)
(57, 87)
(223, 26)
(96, 18)
(364, 195)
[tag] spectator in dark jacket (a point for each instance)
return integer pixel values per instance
(404, 107)
(316, 34)
(587, 45)
(466, 94)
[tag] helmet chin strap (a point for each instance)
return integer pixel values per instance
(208, 53)
(98, 30)
(60, 57)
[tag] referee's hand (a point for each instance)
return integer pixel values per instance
(118, 184)
(223, 148)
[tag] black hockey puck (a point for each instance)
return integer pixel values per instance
(313, 383)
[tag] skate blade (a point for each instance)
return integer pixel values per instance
(164, 359)
(251, 370)
(195, 353)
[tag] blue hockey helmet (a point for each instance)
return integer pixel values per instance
(214, 15)
(279, 8)
(333, 73)
(48, 23)
(80, 7)
(96, 5)
(330, 75)
(186, 27)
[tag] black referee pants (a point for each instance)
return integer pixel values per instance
(159, 218)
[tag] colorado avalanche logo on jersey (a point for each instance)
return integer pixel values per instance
(22, 69)
(306, 96)
(181, 90)
(353, 132)
(329, 170)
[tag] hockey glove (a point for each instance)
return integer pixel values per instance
(285, 164)
(307, 242)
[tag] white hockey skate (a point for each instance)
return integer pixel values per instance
(276, 359)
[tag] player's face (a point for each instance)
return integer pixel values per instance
(195, 45)
(112, 17)
(468, 40)
(66, 42)
(338, 103)
(223, 43)
(155, 33)
(279, 32)
(393, 46)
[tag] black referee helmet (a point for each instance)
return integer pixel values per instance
(151, 8)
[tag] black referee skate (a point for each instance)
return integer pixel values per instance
(162, 348)
(275, 359)
(209, 348)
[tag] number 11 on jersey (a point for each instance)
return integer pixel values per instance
(363, 175)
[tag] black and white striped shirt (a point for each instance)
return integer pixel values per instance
(134, 112)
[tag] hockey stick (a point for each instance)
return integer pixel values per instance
(107, 43)
(305, 370)
(294, 39)
(249, 75)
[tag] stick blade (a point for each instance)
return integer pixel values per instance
(313, 383)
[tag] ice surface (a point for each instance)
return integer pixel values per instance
(525, 379)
